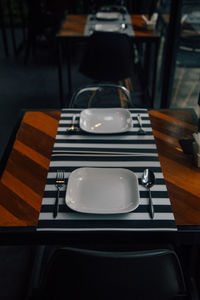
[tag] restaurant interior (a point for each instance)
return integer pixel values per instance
(57, 55)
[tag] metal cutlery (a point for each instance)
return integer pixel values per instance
(124, 26)
(141, 130)
(60, 180)
(148, 180)
(73, 128)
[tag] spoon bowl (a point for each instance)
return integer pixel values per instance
(148, 180)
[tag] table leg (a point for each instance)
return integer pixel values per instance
(12, 26)
(69, 74)
(3, 30)
(157, 43)
(60, 77)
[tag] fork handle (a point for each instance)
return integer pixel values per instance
(55, 212)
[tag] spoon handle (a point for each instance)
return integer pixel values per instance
(73, 119)
(139, 120)
(151, 208)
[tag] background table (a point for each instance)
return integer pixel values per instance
(72, 31)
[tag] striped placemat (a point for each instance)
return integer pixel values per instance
(92, 21)
(128, 142)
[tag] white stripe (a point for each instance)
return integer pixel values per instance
(103, 137)
(66, 121)
(107, 146)
(144, 164)
(93, 154)
(123, 217)
(143, 201)
(52, 175)
(157, 187)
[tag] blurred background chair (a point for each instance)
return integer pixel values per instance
(92, 6)
(114, 8)
(109, 58)
(89, 274)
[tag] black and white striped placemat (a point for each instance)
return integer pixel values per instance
(128, 142)
(92, 21)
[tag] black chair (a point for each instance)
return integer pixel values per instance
(114, 8)
(90, 274)
(109, 58)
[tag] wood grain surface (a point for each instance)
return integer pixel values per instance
(24, 177)
(22, 183)
(179, 169)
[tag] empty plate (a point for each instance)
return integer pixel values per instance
(107, 27)
(102, 190)
(108, 15)
(105, 120)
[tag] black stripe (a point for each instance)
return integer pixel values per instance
(61, 125)
(106, 141)
(134, 169)
(143, 224)
(129, 150)
(140, 209)
(112, 158)
(143, 194)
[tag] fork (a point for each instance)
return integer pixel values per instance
(60, 180)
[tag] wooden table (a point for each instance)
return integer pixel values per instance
(72, 30)
(23, 180)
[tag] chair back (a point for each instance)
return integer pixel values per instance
(114, 8)
(103, 95)
(90, 274)
(108, 57)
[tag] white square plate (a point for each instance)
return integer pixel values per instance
(108, 15)
(105, 120)
(107, 27)
(102, 190)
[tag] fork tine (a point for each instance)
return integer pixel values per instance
(60, 175)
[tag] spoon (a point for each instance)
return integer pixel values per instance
(141, 130)
(123, 26)
(72, 128)
(148, 180)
